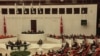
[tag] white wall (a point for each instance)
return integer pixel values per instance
(50, 24)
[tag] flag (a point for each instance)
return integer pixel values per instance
(61, 26)
(5, 30)
(61, 30)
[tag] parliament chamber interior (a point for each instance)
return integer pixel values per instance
(49, 28)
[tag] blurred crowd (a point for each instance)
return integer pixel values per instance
(73, 36)
(85, 49)
(76, 49)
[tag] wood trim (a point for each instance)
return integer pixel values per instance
(44, 2)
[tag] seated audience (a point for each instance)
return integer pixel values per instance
(93, 46)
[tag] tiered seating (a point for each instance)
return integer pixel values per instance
(77, 49)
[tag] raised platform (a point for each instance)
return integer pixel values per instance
(32, 37)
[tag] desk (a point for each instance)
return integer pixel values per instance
(18, 46)
(32, 37)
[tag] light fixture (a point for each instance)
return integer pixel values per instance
(62, 0)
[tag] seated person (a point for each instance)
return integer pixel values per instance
(29, 32)
(24, 32)
(40, 42)
(18, 42)
(39, 31)
(93, 46)
(85, 48)
(67, 44)
(66, 47)
(24, 43)
(75, 45)
(83, 44)
(10, 43)
(42, 31)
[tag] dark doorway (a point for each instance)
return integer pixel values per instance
(98, 21)
(33, 25)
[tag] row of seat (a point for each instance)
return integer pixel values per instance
(73, 36)
(86, 49)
